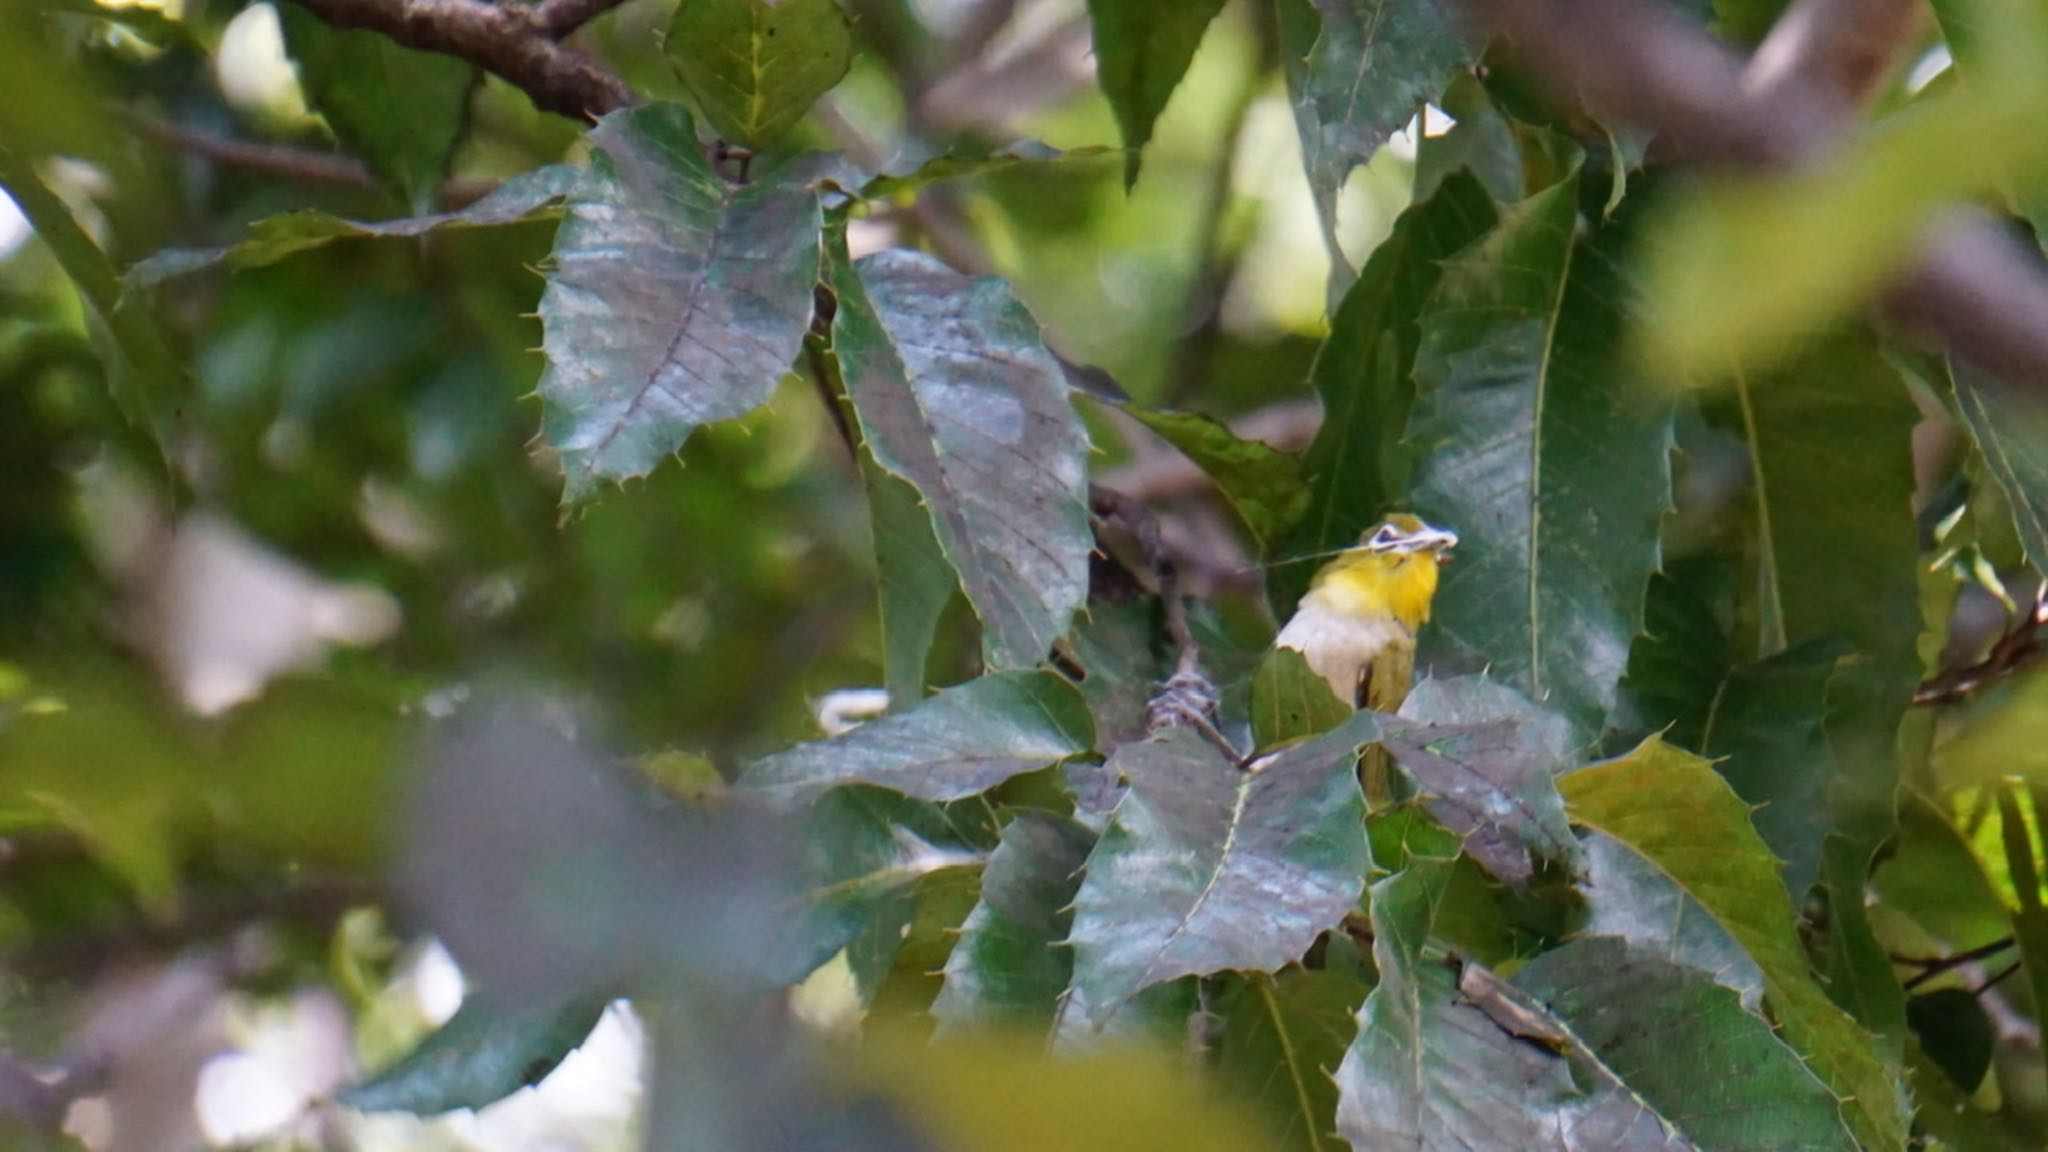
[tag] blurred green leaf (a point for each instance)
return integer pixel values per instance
(1286, 1034)
(1934, 878)
(1208, 867)
(756, 66)
(1955, 1033)
(957, 395)
(966, 159)
(2012, 433)
(1667, 807)
(1010, 965)
(484, 1053)
(274, 238)
(1483, 760)
(2024, 863)
(1142, 48)
(1549, 459)
(1362, 374)
(1289, 701)
(1261, 482)
(964, 741)
(1356, 71)
(676, 299)
(1685, 1044)
(401, 110)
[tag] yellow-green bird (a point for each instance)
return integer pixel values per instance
(1356, 626)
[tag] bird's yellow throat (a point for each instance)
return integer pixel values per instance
(1366, 585)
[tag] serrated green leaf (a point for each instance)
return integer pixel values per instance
(2012, 433)
(676, 299)
(1548, 457)
(1261, 482)
(1672, 811)
(484, 1053)
(957, 395)
(1356, 71)
(1009, 966)
(915, 582)
(1208, 867)
(1433, 1068)
(1289, 701)
(1363, 375)
(1483, 760)
(1284, 1037)
(273, 238)
(756, 66)
(401, 110)
(1142, 49)
(962, 742)
(1686, 1046)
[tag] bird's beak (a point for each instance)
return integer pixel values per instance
(1438, 540)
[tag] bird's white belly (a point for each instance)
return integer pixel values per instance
(1338, 646)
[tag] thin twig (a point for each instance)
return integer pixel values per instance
(1932, 967)
(1974, 289)
(1844, 48)
(507, 41)
(2019, 647)
(301, 164)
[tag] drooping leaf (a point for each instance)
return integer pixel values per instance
(2012, 433)
(1356, 71)
(1627, 897)
(1432, 1068)
(964, 160)
(1545, 453)
(961, 742)
(957, 395)
(274, 238)
(1261, 482)
(756, 66)
(1670, 809)
(1484, 760)
(1687, 1046)
(1142, 49)
(1284, 1038)
(1009, 966)
(676, 299)
(484, 1053)
(402, 110)
(1208, 867)
(1289, 701)
(915, 581)
(1362, 374)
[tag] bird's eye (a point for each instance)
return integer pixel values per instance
(1382, 538)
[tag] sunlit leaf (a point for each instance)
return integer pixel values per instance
(1544, 453)
(676, 299)
(963, 741)
(1142, 48)
(1669, 809)
(756, 66)
(1209, 867)
(484, 1053)
(957, 395)
(1010, 966)
(2012, 433)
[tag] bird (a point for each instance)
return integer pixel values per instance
(1357, 624)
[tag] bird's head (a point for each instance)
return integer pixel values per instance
(1392, 570)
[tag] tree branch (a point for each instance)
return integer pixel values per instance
(1844, 48)
(1975, 290)
(516, 44)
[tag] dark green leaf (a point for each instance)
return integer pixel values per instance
(1672, 811)
(1435, 1068)
(484, 1053)
(957, 394)
(1363, 375)
(1954, 1032)
(274, 238)
(1142, 48)
(2012, 433)
(756, 66)
(964, 160)
(1261, 482)
(676, 299)
(961, 742)
(1483, 760)
(915, 581)
(1289, 701)
(1547, 456)
(1285, 1036)
(1208, 867)
(1356, 71)
(1009, 966)
(1121, 648)
(1628, 897)
(401, 110)
(1686, 1046)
